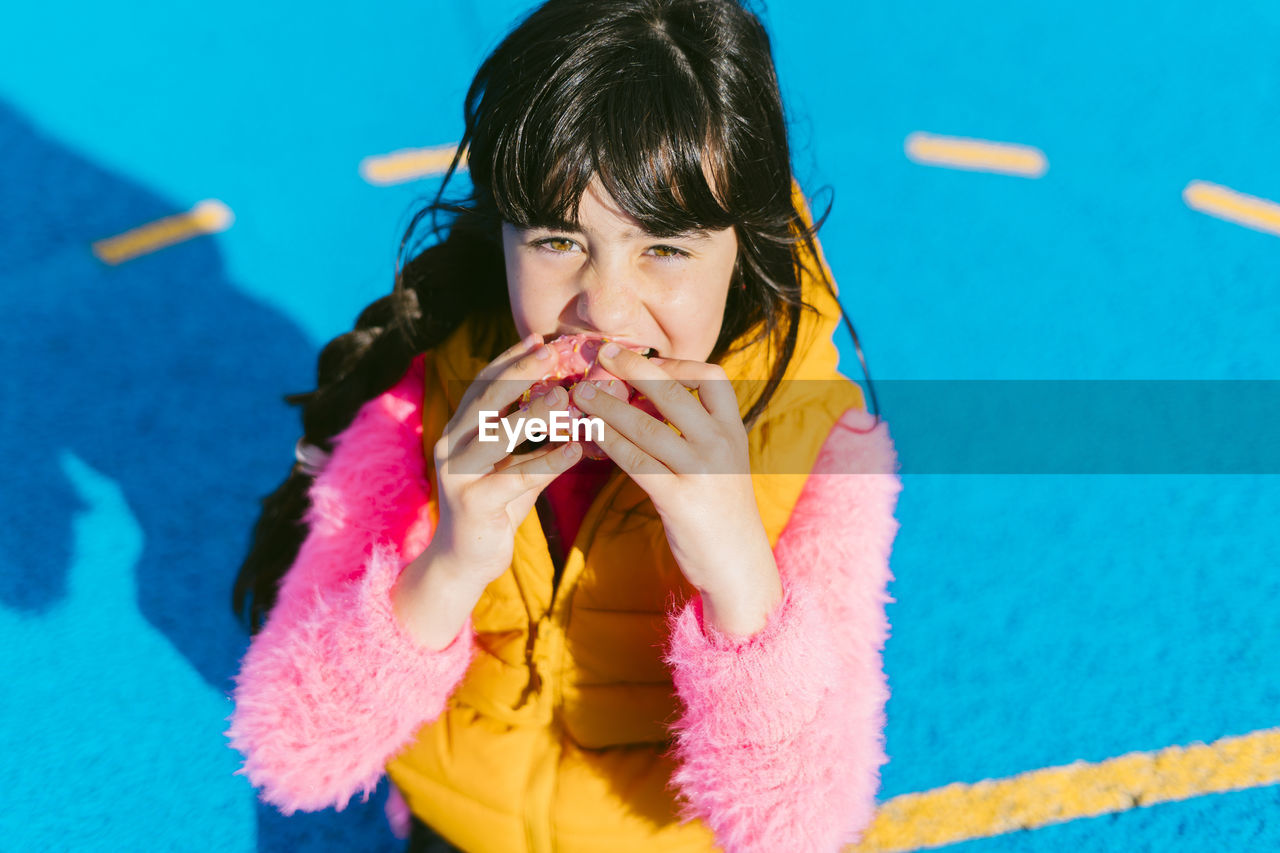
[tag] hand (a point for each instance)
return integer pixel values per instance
(698, 479)
(485, 492)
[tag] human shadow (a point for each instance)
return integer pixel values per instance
(162, 375)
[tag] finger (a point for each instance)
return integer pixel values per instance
(715, 390)
(520, 348)
(496, 391)
(480, 455)
(639, 432)
(668, 392)
(462, 416)
(633, 461)
(532, 472)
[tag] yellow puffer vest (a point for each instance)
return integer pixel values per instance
(554, 740)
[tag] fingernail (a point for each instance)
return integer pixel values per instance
(610, 350)
(586, 390)
(656, 360)
(570, 449)
(556, 397)
(543, 353)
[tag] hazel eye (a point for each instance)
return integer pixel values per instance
(667, 253)
(555, 245)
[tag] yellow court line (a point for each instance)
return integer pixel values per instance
(409, 164)
(208, 217)
(1247, 210)
(960, 812)
(978, 155)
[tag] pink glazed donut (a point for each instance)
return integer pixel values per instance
(577, 360)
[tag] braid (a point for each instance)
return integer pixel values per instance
(462, 275)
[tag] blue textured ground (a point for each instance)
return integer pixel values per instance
(1040, 619)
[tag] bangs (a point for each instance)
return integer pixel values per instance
(641, 130)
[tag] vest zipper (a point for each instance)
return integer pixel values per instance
(540, 792)
(547, 665)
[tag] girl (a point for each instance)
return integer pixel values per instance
(676, 648)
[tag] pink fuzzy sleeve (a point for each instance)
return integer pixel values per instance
(780, 743)
(333, 686)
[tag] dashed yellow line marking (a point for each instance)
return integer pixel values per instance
(960, 812)
(207, 217)
(1247, 210)
(978, 155)
(409, 164)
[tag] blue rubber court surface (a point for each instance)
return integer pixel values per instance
(1021, 192)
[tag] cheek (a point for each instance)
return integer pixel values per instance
(692, 319)
(518, 293)
(520, 280)
(536, 296)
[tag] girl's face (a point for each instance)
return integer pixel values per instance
(612, 279)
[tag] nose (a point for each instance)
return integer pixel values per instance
(607, 301)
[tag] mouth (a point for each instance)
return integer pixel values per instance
(643, 349)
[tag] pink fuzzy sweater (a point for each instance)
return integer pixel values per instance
(781, 738)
